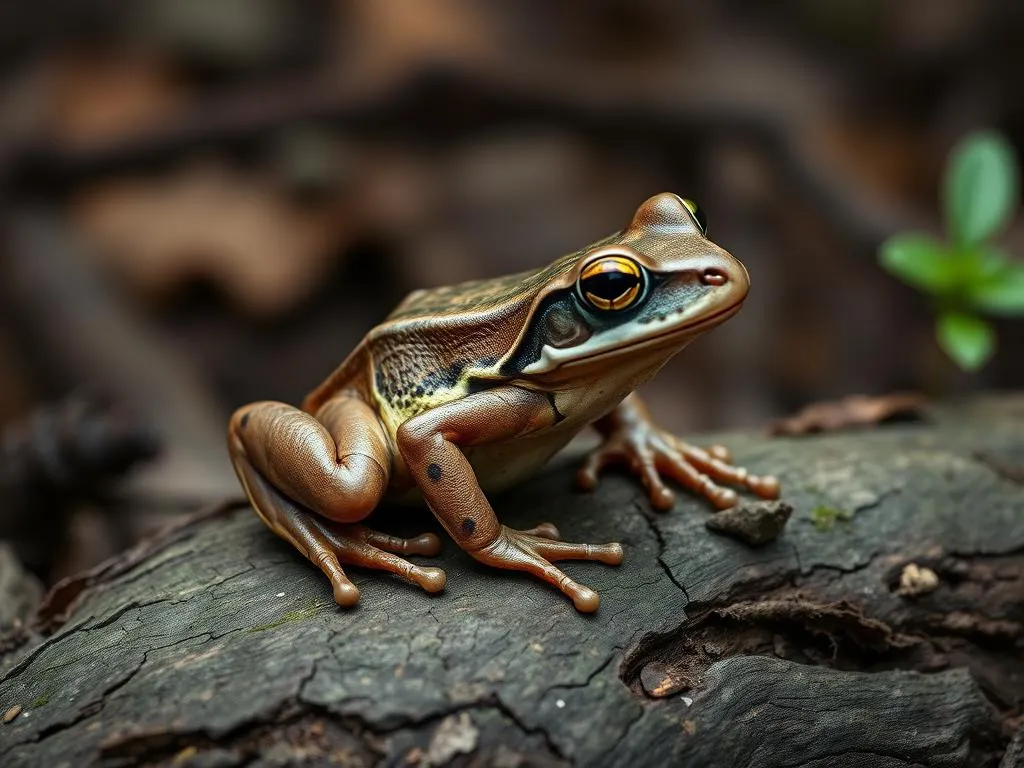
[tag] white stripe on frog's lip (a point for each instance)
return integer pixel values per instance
(552, 359)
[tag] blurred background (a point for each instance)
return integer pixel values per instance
(208, 202)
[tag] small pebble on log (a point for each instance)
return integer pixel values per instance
(756, 523)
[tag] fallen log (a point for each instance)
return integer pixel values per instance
(884, 627)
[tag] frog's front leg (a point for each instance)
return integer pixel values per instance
(432, 445)
(631, 438)
(312, 480)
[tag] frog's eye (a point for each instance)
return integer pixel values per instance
(698, 215)
(611, 283)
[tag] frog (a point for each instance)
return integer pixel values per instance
(466, 390)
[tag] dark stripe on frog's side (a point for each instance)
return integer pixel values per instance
(537, 335)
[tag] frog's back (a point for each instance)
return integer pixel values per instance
(475, 300)
(438, 340)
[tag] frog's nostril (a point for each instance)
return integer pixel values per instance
(712, 276)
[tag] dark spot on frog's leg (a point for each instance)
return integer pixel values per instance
(468, 526)
(434, 472)
(418, 392)
(244, 420)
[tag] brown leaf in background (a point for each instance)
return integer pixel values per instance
(853, 411)
(208, 221)
(381, 43)
(101, 97)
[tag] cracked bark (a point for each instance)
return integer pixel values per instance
(218, 645)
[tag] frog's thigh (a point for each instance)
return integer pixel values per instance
(283, 455)
(336, 464)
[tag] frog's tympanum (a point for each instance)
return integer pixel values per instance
(471, 388)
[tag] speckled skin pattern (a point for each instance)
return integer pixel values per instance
(472, 388)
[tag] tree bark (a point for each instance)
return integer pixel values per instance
(217, 644)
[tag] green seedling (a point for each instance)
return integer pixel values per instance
(825, 517)
(967, 276)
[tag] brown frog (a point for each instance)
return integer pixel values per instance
(471, 388)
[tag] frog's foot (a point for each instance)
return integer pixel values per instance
(533, 551)
(328, 545)
(652, 453)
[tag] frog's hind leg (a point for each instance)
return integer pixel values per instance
(312, 479)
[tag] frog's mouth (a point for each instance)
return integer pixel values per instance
(676, 334)
(648, 342)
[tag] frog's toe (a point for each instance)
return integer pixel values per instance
(432, 579)
(428, 544)
(358, 545)
(680, 469)
(661, 496)
(767, 486)
(723, 498)
(586, 600)
(527, 551)
(595, 463)
(644, 462)
(721, 453)
(346, 594)
(428, 579)
(425, 544)
(544, 531)
(553, 550)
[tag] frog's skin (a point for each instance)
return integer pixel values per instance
(473, 387)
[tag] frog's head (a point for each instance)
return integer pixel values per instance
(632, 300)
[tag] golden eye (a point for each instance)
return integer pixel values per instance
(698, 215)
(611, 283)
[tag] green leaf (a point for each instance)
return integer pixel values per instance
(980, 187)
(919, 261)
(985, 264)
(967, 339)
(824, 517)
(1002, 293)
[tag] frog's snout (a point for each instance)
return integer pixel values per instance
(720, 274)
(714, 276)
